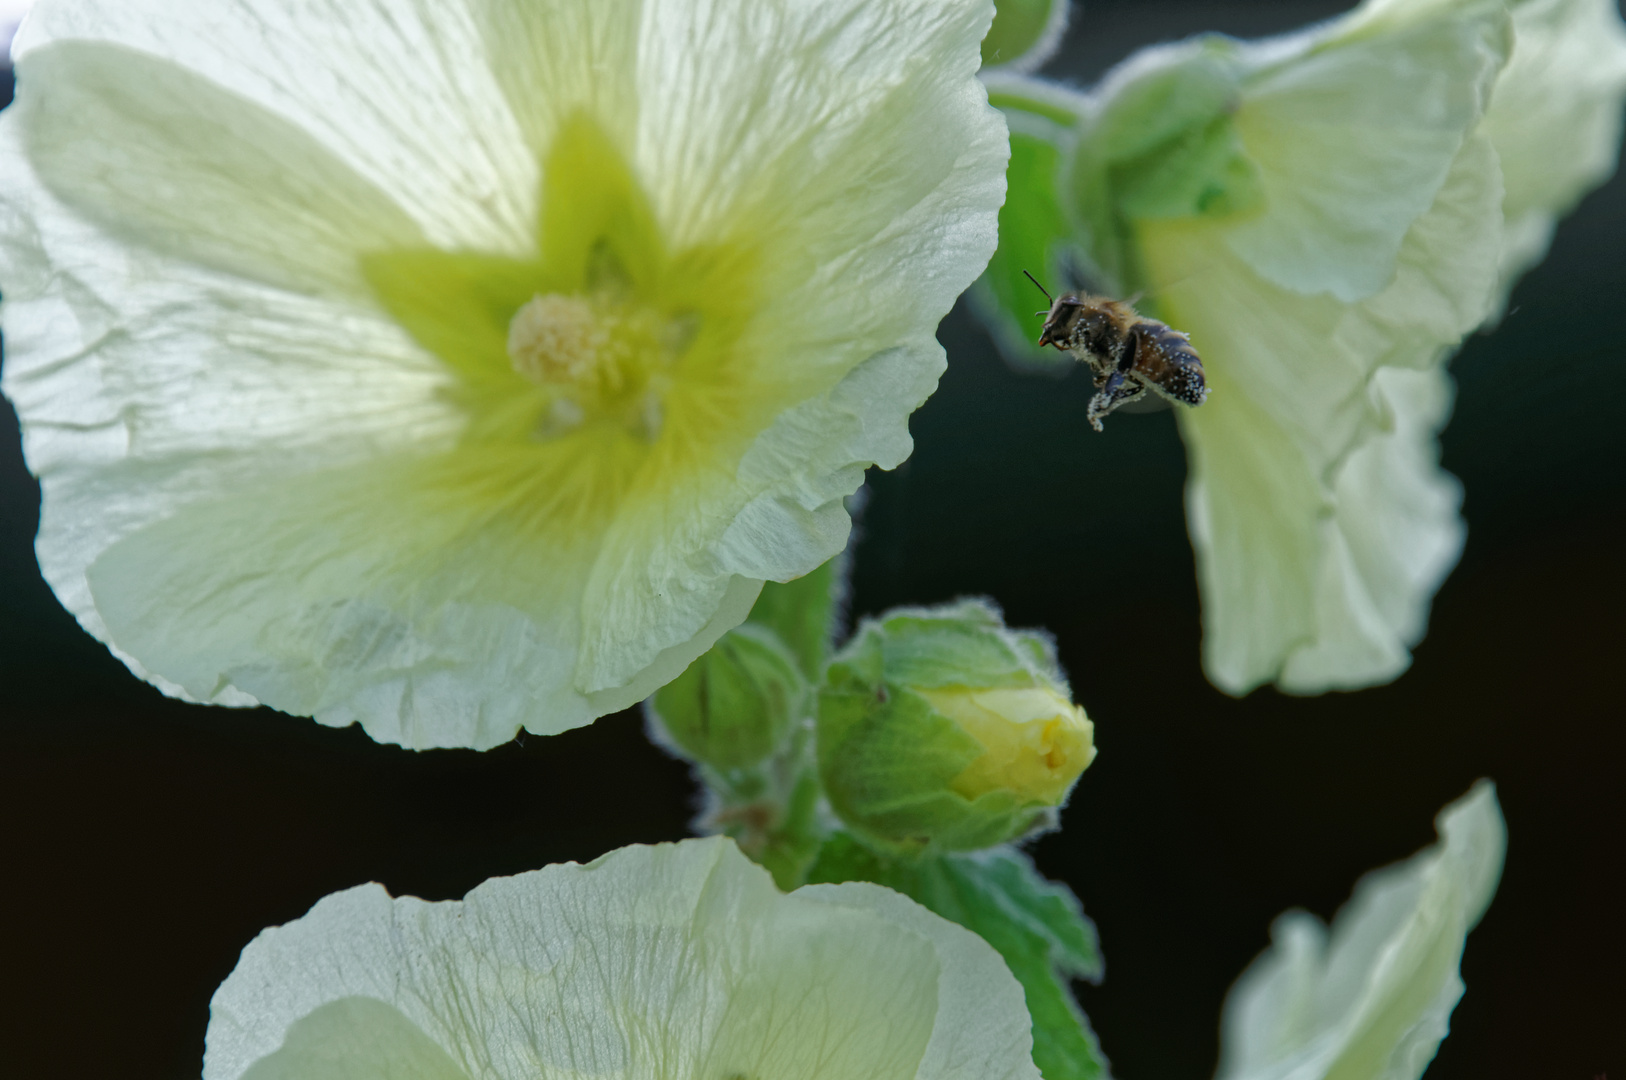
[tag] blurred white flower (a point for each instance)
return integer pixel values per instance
(1327, 214)
(678, 962)
(1322, 520)
(466, 366)
(1372, 999)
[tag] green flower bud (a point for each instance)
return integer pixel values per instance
(1025, 33)
(732, 707)
(940, 729)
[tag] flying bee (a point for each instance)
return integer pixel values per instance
(1127, 353)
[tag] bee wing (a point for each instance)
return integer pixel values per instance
(1082, 276)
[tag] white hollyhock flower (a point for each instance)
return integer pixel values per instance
(1321, 520)
(465, 366)
(1327, 215)
(1372, 999)
(1393, 152)
(674, 962)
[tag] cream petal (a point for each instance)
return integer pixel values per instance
(162, 401)
(160, 157)
(378, 594)
(448, 152)
(552, 58)
(827, 119)
(739, 595)
(1394, 535)
(356, 1038)
(983, 1028)
(1374, 997)
(825, 444)
(1555, 117)
(1298, 587)
(1444, 273)
(1252, 508)
(674, 961)
(1355, 136)
(145, 384)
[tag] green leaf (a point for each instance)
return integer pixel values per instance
(803, 612)
(1038, 926)
(1033, 230)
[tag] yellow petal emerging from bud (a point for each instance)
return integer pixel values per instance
(1035, 742)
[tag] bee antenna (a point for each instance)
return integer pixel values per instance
(1041, 288)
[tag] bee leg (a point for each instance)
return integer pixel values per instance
(1098, 370)
(1118, 389)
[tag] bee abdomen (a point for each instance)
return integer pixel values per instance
(1164, 357)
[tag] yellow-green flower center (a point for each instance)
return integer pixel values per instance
(597, 356)
(605, 366)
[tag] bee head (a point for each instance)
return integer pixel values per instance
(1062, 321)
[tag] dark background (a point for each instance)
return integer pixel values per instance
(146, 841)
